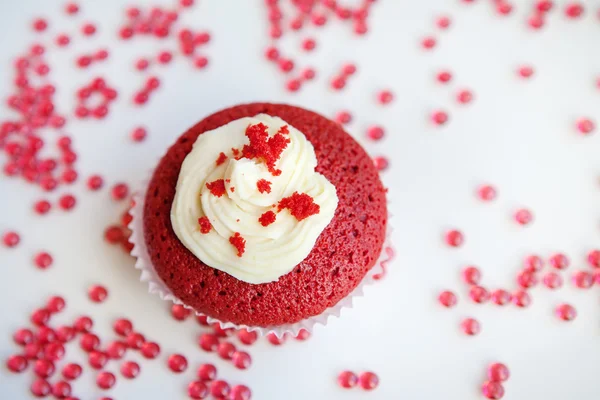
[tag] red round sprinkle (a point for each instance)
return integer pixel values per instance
(247, 337)
(23, 336)
(97, 359)
(533, 263)
(381, 163)
(343, 117)
(40, 388)
(219, 389)
(544, 5)
(43, 368)
(428, 42)
(439, 117)
(443, 22)
(135, 340)
(201, 62)
(89, 342)
(71, 8)
(83, 324)
(492, 390)
(11, 239)
(43, 260)
(105, 380)
(504, 8)
(585, 126)
(165, 57)
(385, 97)
(116, 350)
(226, 350)
(274, 340)
(486, 192)
(376, 132)
(566, 312)
(240, 392)
(521, 299)
(186, 3)
(123, 327)
(150, 350)
(120, 191)
(552, 280)
(349, 69)
(101, 54)
(197, 390)
(241, 359)
(142, 64)
(574, 10)
(61, 390)
(208, 342)
(179, 312)
(454, 238)
(593, 258)
(45, 335)
(368, 380)
(444, 76)
(65, 334)
(293, 85)
(54, 351)
(272, 53)
(67, 201)
(308, 74)
(126, 32)
(177, 363)
(16, 363)
(523, 216)
(525, 71)
(498, 372)
(88, 29)
(40, 317)
(470, 326)
(583, 279)
(347, 379)
(309, 44)
(33, 351)
(479, 294)
(95, 182)
(447, 299)
(338, 83)
(559, 261)
(71, 371)
(464, 96)
(286, 65)
(114, 234)
(138, 134)
(97, 293)
(501, 297)
(69, 175)
(527, 279)
(130, 369)
(536, 20)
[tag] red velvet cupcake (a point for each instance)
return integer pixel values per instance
(263, 215)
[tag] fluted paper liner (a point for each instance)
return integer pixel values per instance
(157, 286)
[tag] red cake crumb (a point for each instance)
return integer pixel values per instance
(232, 188)
(301, 206)
(222, 158)
(236, 153)
(217, 188)
(263, 186)
(284, 130)
(239, 243)
(262, 147)
(205, 225)
(267, 218)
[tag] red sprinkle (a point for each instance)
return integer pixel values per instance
(343, 117)
(523, 216)
(447, 299)
(263, 186)
(347, 379)
(11, 239)
(454, 238)
(470, 326)
(559, 261)
(71, 8)
(585, 126)
(593, 258)
(16, 363)
(135, 340)
(150, 350)
(267, 218)
(428, 42)
(498, 372)
(222, 158)
(130, 369)
(219, 389)
(525, 71)
(208, 342)
(67, 201)
(123, 327)
(205, 225)
(139, 134)
(501, 297)
(492, 390)
(247, 337)
(583, 279)
(40, 25)
(239, 243)
(566, 312)
(177, 363)
(83, 324)
(300, 206)
(197, 390)
(43, 260)
(552, 280)
(105, 380)
(120, 191)
(97, 293)
(71, 371)
(439, 117)
(368, 380)
(88, 29)
(479, 294)
(217, 188)
(521, 299)
(240, 392)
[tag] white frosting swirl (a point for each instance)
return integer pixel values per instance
(270, 251)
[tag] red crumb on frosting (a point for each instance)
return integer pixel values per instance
(236, 153)
(232, 188)
(262, 147)
(301, 206)
(239, 243)
(217, 187)
(222, 158)
(205, 225)
(267, 218)
(284, 130)
(263, 186)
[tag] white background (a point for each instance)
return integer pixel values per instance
(517, 135)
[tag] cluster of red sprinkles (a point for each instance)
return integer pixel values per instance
(368, 380)
(100, 110)
(266, 149)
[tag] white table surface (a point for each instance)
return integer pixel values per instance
(516, 134)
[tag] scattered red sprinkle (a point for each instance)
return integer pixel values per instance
(347, 379)
(89, 342)
(343, 117)
(83, 324)
(470, 326)
(285, 64)
(11, 239)
(464, 96)
(123, 327)
(479, 294)
(40, 25)
(226, 350)
(217, 188)
(23, 336)
(40, 388)
(116, 350)
(150, 350)
(533, 263)
(54, 351)
(71, 8)
(586, 126)
(208, 342)
(240, 392)
(385, 97)
(492, 390)
(272, 53)
(119, 191)
(274, 340)
(247, 337)
(97, 293)
(338, 83)
(544, 5)
(381, 163)
(130, 369)
(16, 363)
(559, 261)
(105, 380)
(97, 359)
(165, 57)
(177, 363)
(504, 8)
(447, 299)
(139, 134)
(428, 42)
(439, 117)
(375, 132)
(142, 64)
(88, 29)
(205, 225)
(454, 238)
(222, 158)
(135, 340)
(308, 74)
(267, 218)
(43, 260)
(239, 243)
(501, 297)
(309, 44)
(498, 372)
(566, 312)
(293, 85)
(574, 10)
(521, 299)
(593, 258)
(523, 216)
(219, 389)
(552, 280)
(443, 22)
(527, 279)
(67, 202)
(368, 380)
(583, 279)
(197, 390)
(444, 76)
(525, 71)
(71, 371)
(43, 368)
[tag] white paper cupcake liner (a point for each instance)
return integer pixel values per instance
(157, 286)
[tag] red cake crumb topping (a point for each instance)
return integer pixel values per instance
(284, 130)
(236, 153)
(222, 158)
(263, 186)
(301, 206)
(232, 188)
(205, 225)
(217, 187)
(239, 243)
(262, 147)
(267, 218)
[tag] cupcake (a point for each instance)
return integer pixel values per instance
(263, 215)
